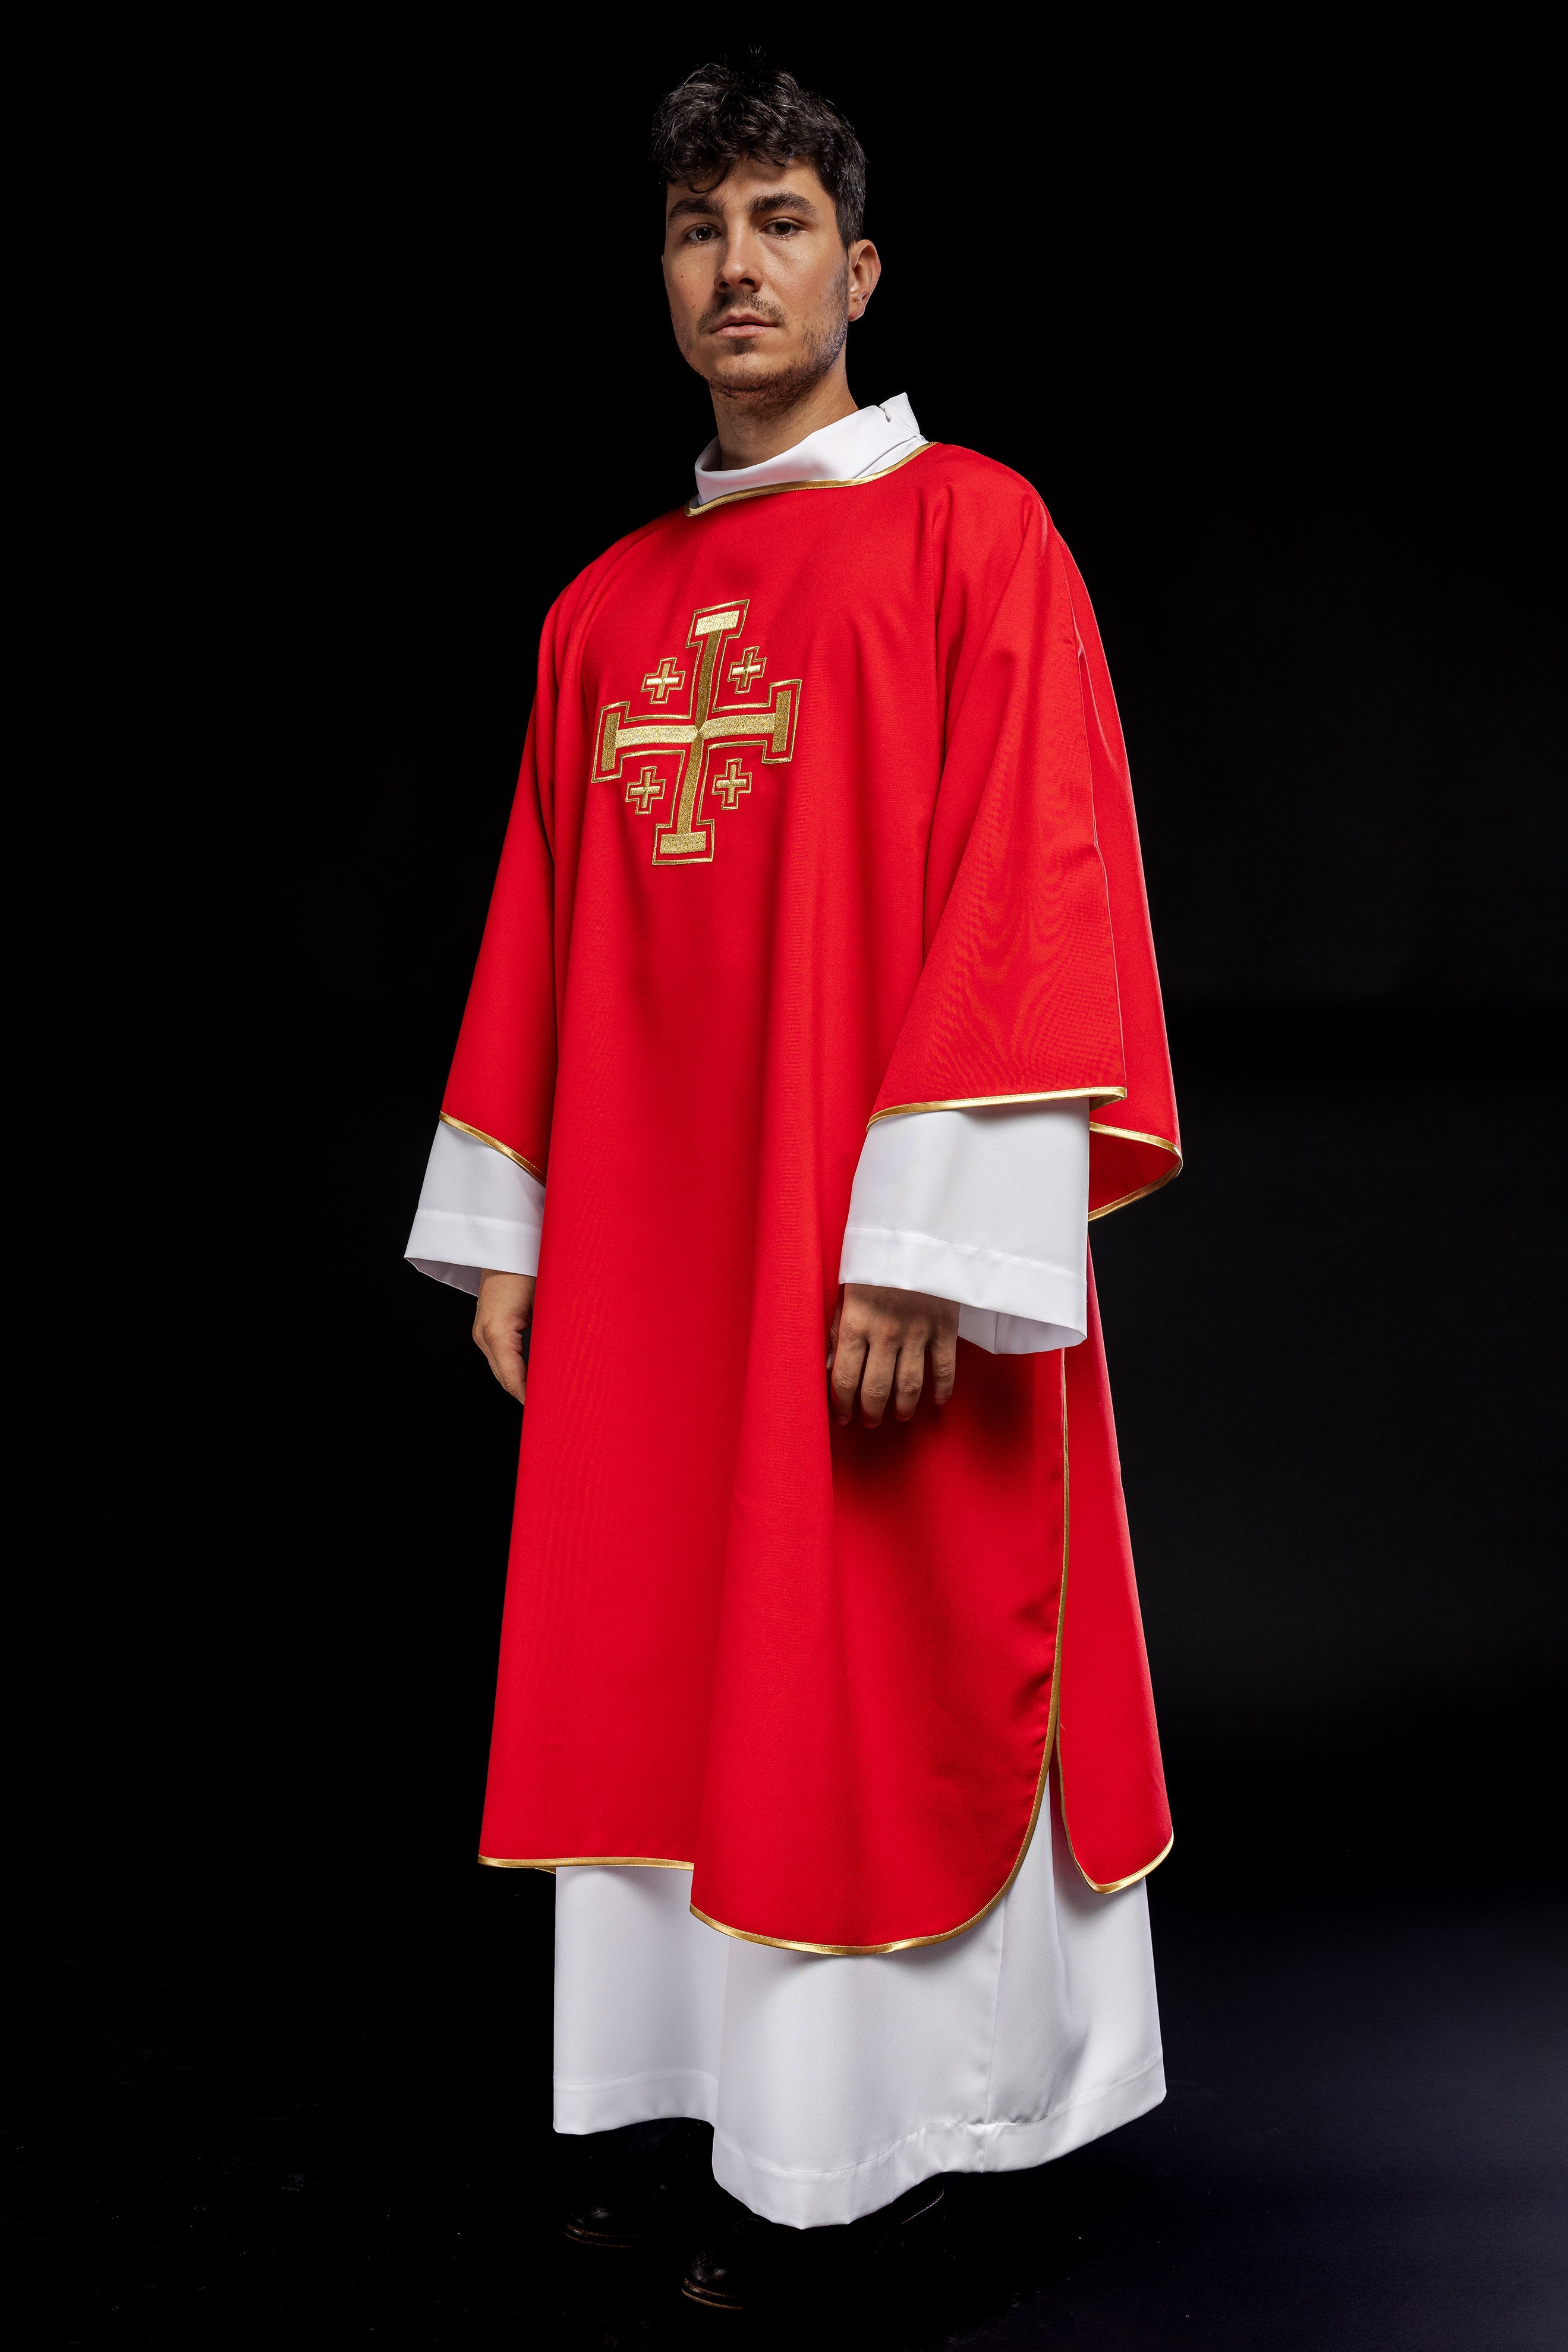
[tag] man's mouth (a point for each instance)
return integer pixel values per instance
(742, 323)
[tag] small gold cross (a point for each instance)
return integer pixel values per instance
(648, 788)
(730, 781)
(661, 683)
(744, 673)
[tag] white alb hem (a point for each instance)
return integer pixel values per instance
(605, 2105)
(834, 2083)
(1014, 1335)
(804, 2199)
(998, 1284)
(456, 1277)
(477, 1209)
(455, 1248)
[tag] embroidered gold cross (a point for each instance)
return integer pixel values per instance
(688, 839)
(661, 683)
(744, 673)
(731, 783)
(648, 788)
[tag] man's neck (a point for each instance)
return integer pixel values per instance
(749, 435)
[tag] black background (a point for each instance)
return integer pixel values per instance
(332, 377)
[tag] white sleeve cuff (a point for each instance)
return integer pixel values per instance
(478, 1209)
(988, 1208)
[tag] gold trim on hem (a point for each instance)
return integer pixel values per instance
(1110, 1885)
(585, 1862)
(495, 1144)
(988, 1102)
(947, 1935)
(772, 489)
(1133, 1135)
(1115, 1885)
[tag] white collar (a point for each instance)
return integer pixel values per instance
(867, 442)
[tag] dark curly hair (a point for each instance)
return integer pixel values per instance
(724, 112)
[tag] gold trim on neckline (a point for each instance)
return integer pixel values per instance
(1133, 1135)
(772, 489)
(947, 1935)
(495, 1144)
(995, 1102)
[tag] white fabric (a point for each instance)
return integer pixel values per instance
(477, 1209)
(987, 1207)
(867, 442)
(833, 2084)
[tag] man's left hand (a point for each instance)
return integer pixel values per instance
(877, 1347)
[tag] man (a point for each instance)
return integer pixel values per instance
(818, 978)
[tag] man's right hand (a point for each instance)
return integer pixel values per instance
(504, 1312)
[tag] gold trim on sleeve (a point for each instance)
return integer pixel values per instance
(947, 1935)
(585, 1862)
(495, 1144)
(1132, 1135)
(994, 1102)
(772, 489)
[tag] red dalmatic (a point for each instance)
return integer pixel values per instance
(824, 816)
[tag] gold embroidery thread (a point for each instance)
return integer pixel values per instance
(648, 788)
(767, 729)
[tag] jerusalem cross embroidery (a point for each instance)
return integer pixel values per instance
(713, 726)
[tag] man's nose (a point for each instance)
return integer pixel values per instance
(738, 263)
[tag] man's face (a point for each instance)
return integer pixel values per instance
(760, 288)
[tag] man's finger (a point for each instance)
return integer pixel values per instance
(876, 1382)
(910, 1378)
(509, 1369)
(849, 1356)
(505, 1359)
(502, 1346)
(943, 1365)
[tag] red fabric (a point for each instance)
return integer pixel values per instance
(1108, 1749)
(817, 1664)
(1135, 1144)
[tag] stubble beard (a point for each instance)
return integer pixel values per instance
(768, 394)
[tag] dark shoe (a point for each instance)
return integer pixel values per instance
(640, 2185)
(749, 2264)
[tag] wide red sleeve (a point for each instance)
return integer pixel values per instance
(1135, 1145)
(1018, 997)
(502, 1084)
